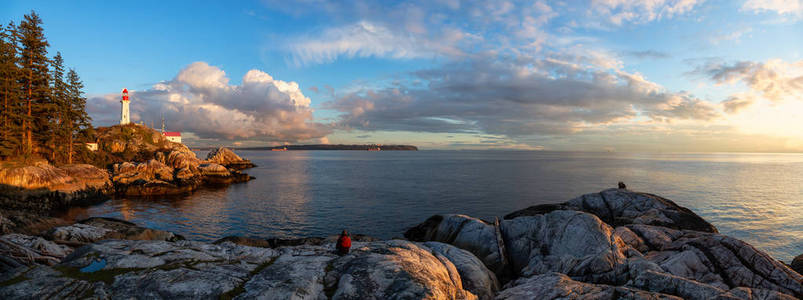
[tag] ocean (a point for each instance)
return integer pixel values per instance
(757, 198)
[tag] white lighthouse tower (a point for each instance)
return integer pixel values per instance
(124, 112)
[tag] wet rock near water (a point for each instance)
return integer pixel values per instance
(797, 264)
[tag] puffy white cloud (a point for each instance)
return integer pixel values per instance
(201, 100)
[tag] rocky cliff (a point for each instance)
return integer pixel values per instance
(566, 253)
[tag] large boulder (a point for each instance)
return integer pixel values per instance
(476, 278)
(621, 207)
(472, 234)
(574, 243)
(224, 156)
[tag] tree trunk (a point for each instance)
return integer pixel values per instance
(30, 96)
(69, 154)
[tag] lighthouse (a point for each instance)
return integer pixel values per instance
(124, 112)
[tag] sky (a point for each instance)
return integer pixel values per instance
(582, 75)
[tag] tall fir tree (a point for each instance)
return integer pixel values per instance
(11, 114)
(59, 121)
(78, 120)
(35, 81)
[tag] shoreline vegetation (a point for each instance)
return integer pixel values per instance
(612, 244)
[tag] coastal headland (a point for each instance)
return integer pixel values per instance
(613, 244)
(366, 147)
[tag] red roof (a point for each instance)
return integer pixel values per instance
(174, 133)
(125, 90)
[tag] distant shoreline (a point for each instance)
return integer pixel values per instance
(327, 147)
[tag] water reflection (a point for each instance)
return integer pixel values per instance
(754, 197)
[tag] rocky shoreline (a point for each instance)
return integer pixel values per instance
(615, 244)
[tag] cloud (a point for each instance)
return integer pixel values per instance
(781, 7)
(201, 100)
(619, 12)
(775, 80)
(560, 94)
(368, 39)
(735, 104)
(648, 54)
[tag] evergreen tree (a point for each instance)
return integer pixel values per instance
(78, 120)
(35, 81)
(59, 132)
(10, 94)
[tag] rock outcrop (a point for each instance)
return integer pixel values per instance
(556, 253)
(97, 229)
(175, 172)
(621, 207)
(658, 250)
(43, 188)
(224, 156)
(797, 264)
(394, 269)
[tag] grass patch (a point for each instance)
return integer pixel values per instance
(241, 288)
(106, 276)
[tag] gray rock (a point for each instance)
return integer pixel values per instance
(476, 278)
(96, 229)
(574, 243)
(560, 286)
(394, 269)
(717, 260)
(621, 206)
(28, 250)
(797, 264)
(474, 235)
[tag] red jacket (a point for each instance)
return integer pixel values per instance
(344, 242)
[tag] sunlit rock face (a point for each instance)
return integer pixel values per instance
(224, 156)
(41, 187)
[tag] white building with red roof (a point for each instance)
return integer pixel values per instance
(173, 136)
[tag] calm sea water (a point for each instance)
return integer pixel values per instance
(754, 197)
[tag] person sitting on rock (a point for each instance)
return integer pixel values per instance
(343, 243)
(622, 185)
